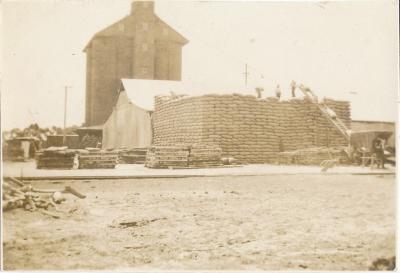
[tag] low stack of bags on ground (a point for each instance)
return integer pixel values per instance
(64, 158)
(313, 156)
(183, 156)
(57, 158)
(249, 129)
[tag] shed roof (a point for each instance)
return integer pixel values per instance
(142, 92)
(90, 128)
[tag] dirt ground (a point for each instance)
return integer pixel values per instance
(291, 222)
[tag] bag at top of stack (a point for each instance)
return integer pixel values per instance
(94, 158)
(249, 129)
(57, 158)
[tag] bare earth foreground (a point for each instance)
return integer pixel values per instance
(293, 222)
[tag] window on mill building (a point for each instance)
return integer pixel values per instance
(144, 70)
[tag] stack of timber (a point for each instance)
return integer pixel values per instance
(133, 156)
(313, 156)
(249, 129)
(57, 158)
(204, 156)
(195, 156)
(167, 157)
(97, 159)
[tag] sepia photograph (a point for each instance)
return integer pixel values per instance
(199, 135)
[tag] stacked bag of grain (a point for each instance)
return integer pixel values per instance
(239, 124)
(201, 155)
(249, 129)
(177, 120)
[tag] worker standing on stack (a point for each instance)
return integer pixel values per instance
(293, 87)
(259, 91)
(278, 92)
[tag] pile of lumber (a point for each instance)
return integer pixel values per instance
(204, 156)
(132, 156)
(312, 156)
(167, 157)
(57, 158)
(250, 129)
(93, 158)
(17, 194)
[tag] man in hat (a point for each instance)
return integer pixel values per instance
(293, 87)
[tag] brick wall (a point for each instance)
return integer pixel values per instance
(249, 129)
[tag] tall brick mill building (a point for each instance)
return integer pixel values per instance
(139, 46)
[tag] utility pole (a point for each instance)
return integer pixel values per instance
(246, 74)
(65, 114)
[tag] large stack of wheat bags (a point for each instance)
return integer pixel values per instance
(249, 129)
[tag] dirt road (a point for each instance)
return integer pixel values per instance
(291, 222)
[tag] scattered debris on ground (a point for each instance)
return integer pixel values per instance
(383, 264)
(136, 223)
(329, 164)
(207, 232)
(17, 194)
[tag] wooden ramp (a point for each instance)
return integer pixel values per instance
(329, 114)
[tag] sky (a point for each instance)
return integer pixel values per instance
(345, 50)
